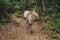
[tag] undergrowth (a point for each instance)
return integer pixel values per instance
(53, 25)
(17, 14)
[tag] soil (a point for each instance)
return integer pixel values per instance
(17, 29)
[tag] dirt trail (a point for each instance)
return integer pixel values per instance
(18, 30)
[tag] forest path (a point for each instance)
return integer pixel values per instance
(18, 30)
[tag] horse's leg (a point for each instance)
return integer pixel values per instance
(30, 28)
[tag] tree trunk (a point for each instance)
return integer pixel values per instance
(43, 5)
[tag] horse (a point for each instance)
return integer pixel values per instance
(31, 16)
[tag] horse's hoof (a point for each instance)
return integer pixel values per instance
(31, 32)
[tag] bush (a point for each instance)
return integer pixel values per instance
(4, 23)
(53, 35)
(17, 14)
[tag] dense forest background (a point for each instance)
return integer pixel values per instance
(48, 10)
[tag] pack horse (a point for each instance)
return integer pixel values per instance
(30, 16)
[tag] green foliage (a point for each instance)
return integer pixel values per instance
(5, 5)
(4, 23)
(17, 14)
(53, 35)
(51, 25)
(54, 22)
(57, 24)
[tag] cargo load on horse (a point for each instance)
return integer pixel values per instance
(33, 13)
